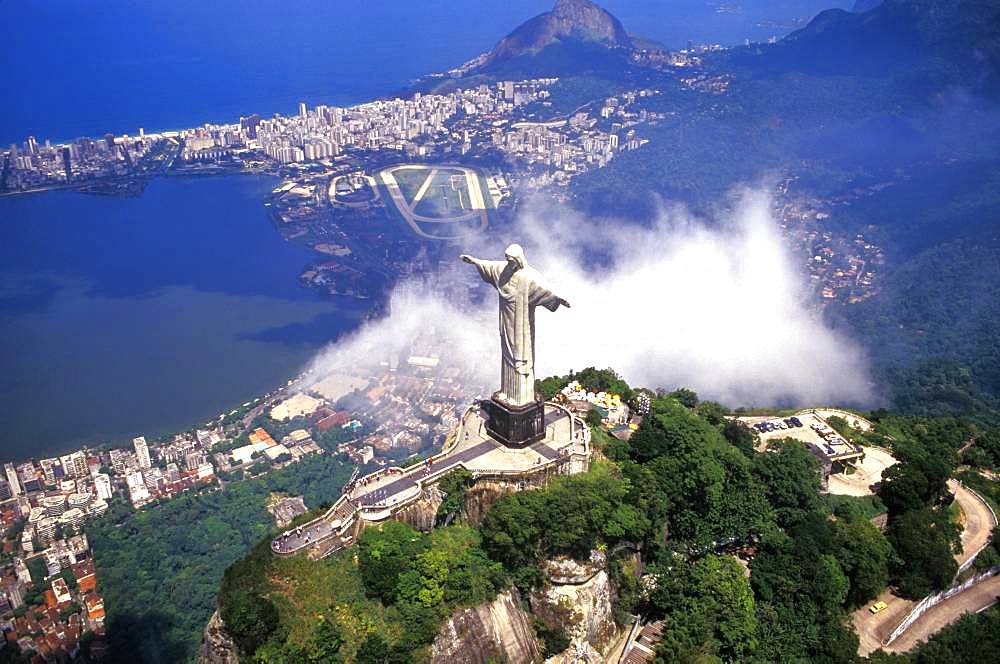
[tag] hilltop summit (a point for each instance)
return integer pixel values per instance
(569, 20)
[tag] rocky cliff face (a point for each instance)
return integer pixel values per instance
(500, 630)
(216, 645)
(578, 600)
(481, 495)
(422, 513)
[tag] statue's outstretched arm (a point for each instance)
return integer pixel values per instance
(489, 271)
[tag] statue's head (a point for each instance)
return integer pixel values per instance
(515, 254)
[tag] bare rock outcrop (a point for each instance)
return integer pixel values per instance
(217, 646)
(422, 513)
(579, 600)
(484, 492)
(500, 630)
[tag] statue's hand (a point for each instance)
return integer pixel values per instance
(467, 258)
(564, 303)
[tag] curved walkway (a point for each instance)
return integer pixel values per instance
(377, 495)
(979, 522)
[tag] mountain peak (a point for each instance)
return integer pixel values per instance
(579, 20)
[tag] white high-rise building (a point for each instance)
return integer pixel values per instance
(75, 464)
(138, 493)
(15, 484)
(142, 452)
(102, 485)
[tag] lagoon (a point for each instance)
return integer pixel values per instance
(143, 316)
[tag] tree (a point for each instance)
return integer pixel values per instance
(453, 486)
(715, 413)
(740, 436)
(708, 608)
(374, 650)
(923, 540)
(250, 619)
(790, 476)
(685, 397)
(323, 644)
(386, 553)
(865, 555)
(904, 489)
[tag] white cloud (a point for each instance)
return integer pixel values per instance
(719, 308)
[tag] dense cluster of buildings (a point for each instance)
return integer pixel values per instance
(410, 402)
(841, 268)
(48, 585)
(477, 120)
(32, 166)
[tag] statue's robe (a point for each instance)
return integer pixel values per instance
(520, 291)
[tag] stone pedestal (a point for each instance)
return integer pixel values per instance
(515, 426)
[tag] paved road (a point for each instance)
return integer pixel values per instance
(300, 537)
(389, 493)
(937, 618)
(979, 522)
(873, 629)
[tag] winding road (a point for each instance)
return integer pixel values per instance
(873, 630)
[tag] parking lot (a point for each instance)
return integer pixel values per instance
(814, 430)
(774, 428)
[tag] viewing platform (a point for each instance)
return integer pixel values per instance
(378, 496)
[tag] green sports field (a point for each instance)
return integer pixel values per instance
(410, 179)
(446, 196)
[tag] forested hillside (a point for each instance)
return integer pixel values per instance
(701, 502)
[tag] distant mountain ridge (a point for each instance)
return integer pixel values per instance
(569, 20)
(948, 42)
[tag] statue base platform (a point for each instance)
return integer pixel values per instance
(515, 426)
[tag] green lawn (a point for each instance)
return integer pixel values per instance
(447, 196)
(410, 180)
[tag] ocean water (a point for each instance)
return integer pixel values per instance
(82, 69)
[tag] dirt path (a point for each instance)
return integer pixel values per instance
(975, 598)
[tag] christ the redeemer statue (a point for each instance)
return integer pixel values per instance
(521, 290)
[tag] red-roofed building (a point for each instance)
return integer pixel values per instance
(95, 607)
(61, 590)
(330, 421)
(260, 435)
(86, 578)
